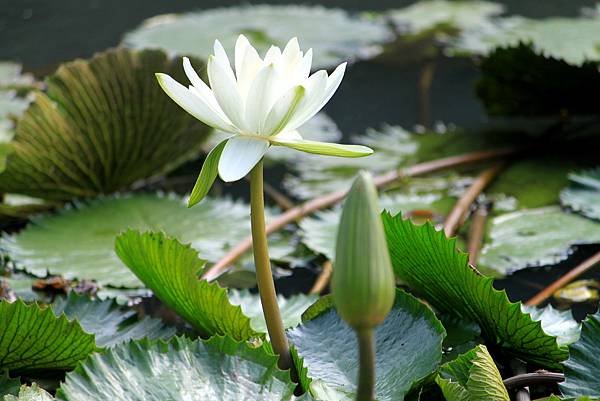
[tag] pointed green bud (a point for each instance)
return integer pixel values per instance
(363, 285)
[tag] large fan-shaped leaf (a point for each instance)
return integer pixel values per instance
(33, 393)
(581, 369)
(102, 124)
(172, 271)
(332, 33)
(408, 346)
(428, 262)
(535, 237)
(110, 323)
(584, 197)
(33, 338)
(79, 242)
(472, 376)
(180, 370)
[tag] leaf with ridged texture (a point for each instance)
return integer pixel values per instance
(171, 270)
(110, 323)
(8, 385)
(32, 338)
(534, 237)
(101, 125)
(27, 393)
(179, 370)
(333, 34)
(291, 308)
(472, 376)
(581, 369)
(78, 242)
(429, 263)
(584, 196)
(556, 323)
(408, 346)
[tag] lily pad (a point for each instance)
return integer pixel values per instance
(30, 393)
(12, 76)
(408, 346)
(78, 242)
(581, 369)
(574, 40)
(291, 308)
(110, 323)
(179, 370)
(333, 34)
(172, 271)
(33, 338)
(101, 125)
(535, 237)
(429, 263)
(584, 196)
(555, 322)
(472, 377)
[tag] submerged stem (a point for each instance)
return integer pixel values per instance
(264, 276)
(366, 372)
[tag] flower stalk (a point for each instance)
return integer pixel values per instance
(264, 276)
(366, 373)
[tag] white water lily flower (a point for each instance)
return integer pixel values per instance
(261, 104)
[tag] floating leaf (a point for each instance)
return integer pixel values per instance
(581, 369)
(556, 323)
(172, 271)
(102, 125)
(428, 262)
(109, 323)
(574, 40)
(472, 377)
(333, 34)
(408, 346)
(79, 242)
(584, 197)
(291, 308)
(179, 370)
(12, 77)
(33, 338)
(535, 237)
(11, 106)
(33, 393)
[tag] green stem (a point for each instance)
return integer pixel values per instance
(264, 276)
(366, 374)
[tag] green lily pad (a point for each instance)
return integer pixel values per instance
(584, 196)
(101, 125)
(472, 376)
(581, 369)
(535, 237)
(30, 393)
(110, 323)
(429, 263)
(172, 271)
(291, 308)
(556, 323)
(444, 17)
(9, 385)
(408, 346)
(574, 40)
(179, 370)
(333, 34)
(33, 338)
(78, 242)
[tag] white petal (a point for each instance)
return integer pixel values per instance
(225, 90)
(239, 157)
(317, 102)
(291, 55)
(221, 58)
(315, 86)
(261, 97)
(247, 64)
(305, 64)
(192, 103)
(273, 55)
(202, 90)
(283, 110)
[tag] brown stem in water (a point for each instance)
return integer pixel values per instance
(331, 198)
(460, 210)
(476, 233)
(425, 81)
(564, 280)
(532, 379)
(323, 279)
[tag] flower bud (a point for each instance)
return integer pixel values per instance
(363, 285)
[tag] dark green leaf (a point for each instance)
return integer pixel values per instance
(429, 263)
(207, 175)
(9, 385)
(581, 369)
(408, 345)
